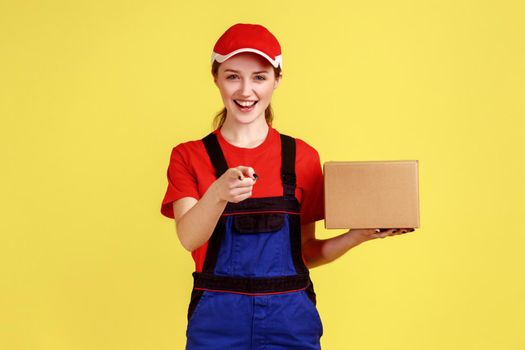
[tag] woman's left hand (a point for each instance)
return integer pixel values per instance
(363, 235)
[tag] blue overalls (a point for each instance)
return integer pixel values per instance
(254, 291)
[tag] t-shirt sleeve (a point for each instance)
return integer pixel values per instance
(312, 206)
(181, 180)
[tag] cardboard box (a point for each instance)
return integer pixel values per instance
(371, 194)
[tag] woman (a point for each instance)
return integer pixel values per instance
(245, 199)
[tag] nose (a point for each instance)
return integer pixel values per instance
(246, 88)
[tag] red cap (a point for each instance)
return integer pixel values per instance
(244, 37)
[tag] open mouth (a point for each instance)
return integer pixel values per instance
(245, 105)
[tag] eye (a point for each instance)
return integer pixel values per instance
(260, 77)
(230, 76)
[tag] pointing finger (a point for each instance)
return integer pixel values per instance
(247, 172)
(235, 174)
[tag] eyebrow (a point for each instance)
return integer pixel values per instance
(232, 70)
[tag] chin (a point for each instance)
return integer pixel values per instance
(247, 119)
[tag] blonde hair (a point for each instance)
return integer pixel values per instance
(220, 117)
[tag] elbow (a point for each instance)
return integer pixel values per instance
(310, 255)
(313, 254)
(310, 264)
(186, 246)
(183, 239)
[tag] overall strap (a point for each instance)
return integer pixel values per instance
(215, 153)
(288, 165)
(288, 151)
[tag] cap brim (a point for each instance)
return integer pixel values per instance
(221, 58)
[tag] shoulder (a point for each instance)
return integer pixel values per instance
(190, 155)
(188, 149)
(304, 148)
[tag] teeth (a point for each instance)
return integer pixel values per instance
(245, 103)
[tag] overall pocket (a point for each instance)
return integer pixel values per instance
(258, 223)
(197, 297)
(313, 309)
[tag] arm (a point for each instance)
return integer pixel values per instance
(322, 251)
(195, 219)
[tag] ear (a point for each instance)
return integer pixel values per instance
(278, 81)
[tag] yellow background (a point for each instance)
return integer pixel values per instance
(95, 94)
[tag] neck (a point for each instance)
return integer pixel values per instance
(245, 135)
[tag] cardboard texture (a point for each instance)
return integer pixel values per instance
(371, 194)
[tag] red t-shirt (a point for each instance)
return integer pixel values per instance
(190, 173)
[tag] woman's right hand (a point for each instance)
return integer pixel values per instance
(236, 184)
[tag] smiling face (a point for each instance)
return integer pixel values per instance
(246, 82)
